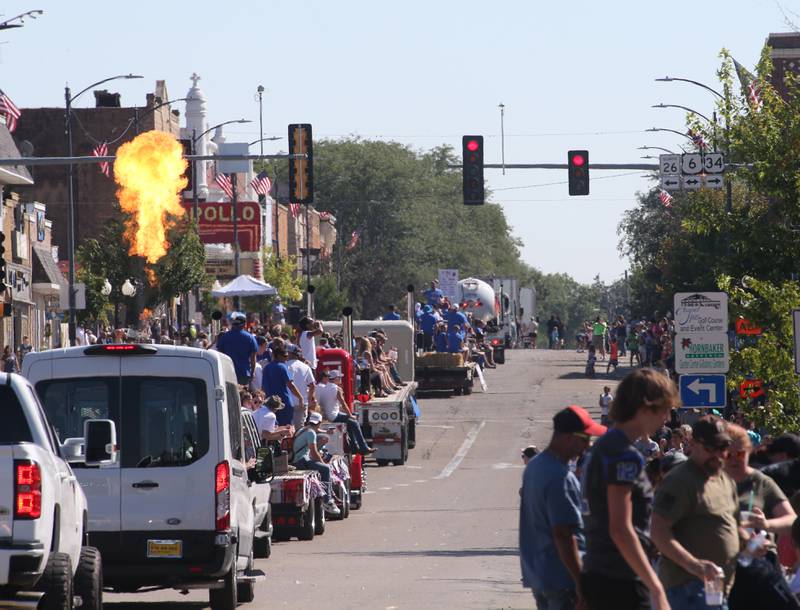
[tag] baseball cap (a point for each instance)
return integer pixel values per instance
(576, 419)
(314, 418)
(785, 443)
(334, 374)
(237, 317)
(710, 430)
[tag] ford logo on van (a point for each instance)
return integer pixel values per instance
(173, 521)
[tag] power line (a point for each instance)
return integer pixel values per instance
(530, 186)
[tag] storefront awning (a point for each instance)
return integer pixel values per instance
(47, 277)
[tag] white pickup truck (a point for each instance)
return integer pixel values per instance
(43, 516)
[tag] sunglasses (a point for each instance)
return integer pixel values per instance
(722, 447)
(582, 436)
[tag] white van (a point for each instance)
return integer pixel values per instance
(175, 509)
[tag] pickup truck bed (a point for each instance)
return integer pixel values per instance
(444, 372)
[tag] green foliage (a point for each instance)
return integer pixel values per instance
(281, 275)
(770, 357)
(182, 268)
(328, 300)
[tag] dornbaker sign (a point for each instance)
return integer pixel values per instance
(701, 332)
(216, 223)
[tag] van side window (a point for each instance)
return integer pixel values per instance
(164, 422)
(13, 425)
(234, 420)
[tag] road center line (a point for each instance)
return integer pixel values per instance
(462, 451)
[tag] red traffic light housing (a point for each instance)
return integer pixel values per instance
(578, 172)
(472, 155)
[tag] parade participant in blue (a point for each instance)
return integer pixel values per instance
(391, 313)
(457, 318)
(240, 346)
(277, 381)
(440, 340)
(427, 324)
(434, 294)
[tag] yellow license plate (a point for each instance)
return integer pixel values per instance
(165, 549)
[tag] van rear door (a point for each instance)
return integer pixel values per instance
(171, 450)
(73, 390)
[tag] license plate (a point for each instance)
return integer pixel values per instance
(165, 549)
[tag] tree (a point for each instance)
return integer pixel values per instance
(182, 268)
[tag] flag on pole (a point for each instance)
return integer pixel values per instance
(354, 236)
(9, 111)
(294, 208)
(261, 184)
(101, 150)
(750, 87)
(224, 182)
(698, 139)
(665, 198)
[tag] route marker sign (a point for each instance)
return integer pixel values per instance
(707, 391)
(701, 332)
(713, 163)
(691, 171)
(691, 163)
(670, 165)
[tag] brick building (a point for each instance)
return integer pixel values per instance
(40, 132)
(785, 56)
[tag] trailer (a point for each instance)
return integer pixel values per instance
(389, 424)
(444, 372)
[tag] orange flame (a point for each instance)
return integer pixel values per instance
(151, 276)
(146, 314)
(149, 171)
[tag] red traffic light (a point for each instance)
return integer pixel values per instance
(578, 160)
(472, 145)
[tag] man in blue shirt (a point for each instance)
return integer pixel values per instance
(427, 324)
(551, 539)
(455, 317)
(241, 347)
(434, 294)
(455, 339)
(391, 314)
(440, 340)
(276, 380)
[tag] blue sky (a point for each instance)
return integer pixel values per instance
(571, 75)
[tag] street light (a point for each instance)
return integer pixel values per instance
(69, 98)
(268, 139)
(138, 117)
(680, 133)
(195, 138)
(128, 289)
(669, 79)
(700, 114)
(666, 150)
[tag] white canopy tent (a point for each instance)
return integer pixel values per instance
(244, 286)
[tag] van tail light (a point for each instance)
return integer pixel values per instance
(222, 495)
(27, 490)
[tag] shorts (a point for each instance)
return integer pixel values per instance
(598, 341)
(604, 593)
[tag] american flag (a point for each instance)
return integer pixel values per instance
(750, 86)
(101, 150)
(9, 110)
(353, 240)
(294, 208)
(324, 215)
(665, 198)
(224, 182)
(698, 139)
(261, 184)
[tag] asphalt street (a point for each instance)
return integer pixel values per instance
(440, 531)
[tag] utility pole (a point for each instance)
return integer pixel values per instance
(235, 214)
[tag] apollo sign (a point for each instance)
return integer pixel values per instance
(216, 223)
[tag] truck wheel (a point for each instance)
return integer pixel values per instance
(468, 387)
(458, 391)
(225, 598)
(346, 500)
(319, 517)
(403, 449)
(246, 591)
(89, 579)
(500, 357)
(56, 583)
(382, 462)
(309, 525)
(412, 432)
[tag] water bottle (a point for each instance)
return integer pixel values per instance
(753, 545)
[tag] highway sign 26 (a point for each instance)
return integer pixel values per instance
(703, 391)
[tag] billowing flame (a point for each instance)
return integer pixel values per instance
(149, 171)
(151, 276)
(146, 314)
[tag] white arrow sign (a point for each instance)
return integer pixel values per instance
(698, 387)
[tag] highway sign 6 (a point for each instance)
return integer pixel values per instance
(691, 163)
(691, 183)
(714, 181)
(669, 165)
(703, 391)
(713, 163)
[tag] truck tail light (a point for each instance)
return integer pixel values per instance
(27, 490)
(222, 494)
(293, 491)
(496, 341)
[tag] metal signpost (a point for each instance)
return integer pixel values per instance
(691, 171)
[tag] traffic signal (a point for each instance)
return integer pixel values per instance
(2, 261)
(472, 154)
(187, 150)
(578, 172)
(301, 170)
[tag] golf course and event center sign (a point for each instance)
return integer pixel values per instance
(701, 332)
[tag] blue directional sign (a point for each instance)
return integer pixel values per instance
(703, 391)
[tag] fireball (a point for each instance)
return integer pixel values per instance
(149, 171)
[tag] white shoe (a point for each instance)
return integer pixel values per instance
(331, 508)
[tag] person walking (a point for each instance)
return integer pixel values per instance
(599, 336)
(277, 381)
(617, 567)
(241, 347)
(303, 379)
(695, 520)
(550, 524)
